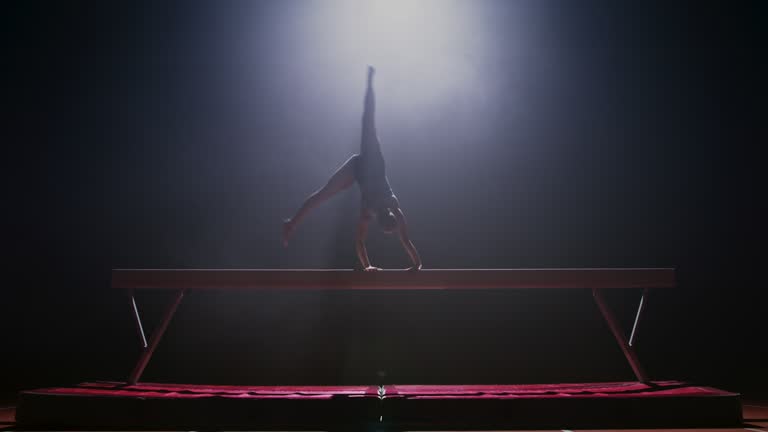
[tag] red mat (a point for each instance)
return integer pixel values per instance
(583, 405)
(193, 391)
(591, 390)
(496, 391)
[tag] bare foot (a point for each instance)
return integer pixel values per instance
(288, 228)
(372, 268)
(371, 72)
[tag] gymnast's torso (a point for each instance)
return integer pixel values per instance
(371, 177)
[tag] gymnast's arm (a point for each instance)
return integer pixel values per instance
(406, 241)
(362, 233)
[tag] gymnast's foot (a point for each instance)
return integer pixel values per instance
(371, 72)
(288, 227)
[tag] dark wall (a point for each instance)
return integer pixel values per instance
(179, 135)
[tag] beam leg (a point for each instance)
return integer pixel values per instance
(640, 309)
(628, 351)
(155, 339)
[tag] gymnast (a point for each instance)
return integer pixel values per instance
(378, 201)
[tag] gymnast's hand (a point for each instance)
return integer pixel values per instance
(371, 268)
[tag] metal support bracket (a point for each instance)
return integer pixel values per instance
(640, 309)
(137, 321)
(618, 334)
(149, 349)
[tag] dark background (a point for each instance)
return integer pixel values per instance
(179, 134)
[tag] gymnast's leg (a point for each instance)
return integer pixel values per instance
(340, 180)
(370, 147)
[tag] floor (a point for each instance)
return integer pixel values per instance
(755, 419)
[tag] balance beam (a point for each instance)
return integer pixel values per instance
(595, 279)
(393, 279)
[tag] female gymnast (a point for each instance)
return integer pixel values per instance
(367, 168)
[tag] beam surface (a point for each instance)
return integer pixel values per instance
(252, 279)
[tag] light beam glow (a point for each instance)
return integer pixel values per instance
(425, 47)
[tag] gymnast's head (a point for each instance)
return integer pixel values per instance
(386, 219)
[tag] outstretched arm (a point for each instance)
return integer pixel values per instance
(406, 241)
(362, 233)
